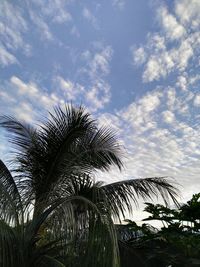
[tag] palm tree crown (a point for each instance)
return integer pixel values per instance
(51, 184)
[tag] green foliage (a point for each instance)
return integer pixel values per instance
(177, 243)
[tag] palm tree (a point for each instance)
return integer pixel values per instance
(53, 237)
(51, 184)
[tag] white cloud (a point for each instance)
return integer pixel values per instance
(182, 82)
(55, 10)
(71, 90)
(24, 112)
(99, 65)
(157, 42)
(45, 13)
(87, 14)
(12, 39)
(23, 99)
(6, 58)
(97, 69)
(113, 120)
(139, 55)
(173, 29)
(42, 26)
(188, 12)
(17, 22)
(174, 46)
(31, 97)
(168, 116)
(182, 55)
(12, 29)
(197, 100)
(98, 95)
(157, 67)
(139, 113)
(93, 89)
(160, 64)
(150, 102)
(171, 98)
(6, 96)
(91, 86)
(23, 88)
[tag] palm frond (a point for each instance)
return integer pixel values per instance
(20, 134)
(7, 246)
(27, 146)
(94, 233)
(99, 149)
(74, 143)
(121, 194)
(10, 205)
(8, 181)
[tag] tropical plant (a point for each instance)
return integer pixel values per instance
(180, 231)
(55, 237)
(177, 243)
(52, 211)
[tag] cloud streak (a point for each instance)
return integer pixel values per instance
(12, 29)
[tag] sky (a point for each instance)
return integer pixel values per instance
(133, 64)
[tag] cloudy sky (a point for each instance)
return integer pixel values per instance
(133, 64)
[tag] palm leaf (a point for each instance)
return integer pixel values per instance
(20, 134)
(8, 181)
(121, 194)
(10, 205)
(27, 146)
(100, 150)
(7, 246)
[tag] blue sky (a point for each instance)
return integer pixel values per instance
(133, 64)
